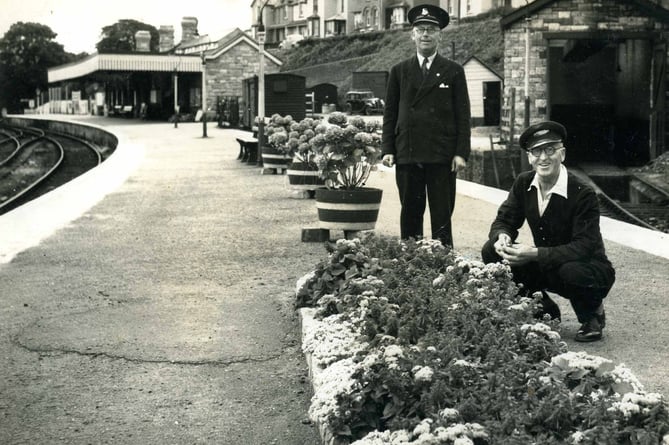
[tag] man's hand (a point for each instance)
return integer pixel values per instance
(388, 160)
(503, 240)
(518, 254)
(458, 164)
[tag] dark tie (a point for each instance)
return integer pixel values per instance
(424, 68)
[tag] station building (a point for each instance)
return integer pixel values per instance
(154, 86)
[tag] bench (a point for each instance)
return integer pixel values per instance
(248, 150)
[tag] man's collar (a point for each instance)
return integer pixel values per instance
(430, 59)
(560, 187)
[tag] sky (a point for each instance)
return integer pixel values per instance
(78, 23)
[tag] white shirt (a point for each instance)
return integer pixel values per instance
(430, 59)
(560, 188)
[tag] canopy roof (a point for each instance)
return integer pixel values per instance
(126, 62)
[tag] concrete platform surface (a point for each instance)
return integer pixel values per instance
(150, 300)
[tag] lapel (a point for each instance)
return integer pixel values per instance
(435, 76)
(532, 201)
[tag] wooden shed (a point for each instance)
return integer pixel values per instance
(284, 94)
(485, 92)
(324, 93)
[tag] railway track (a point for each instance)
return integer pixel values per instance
(34, 162)
(648, 215)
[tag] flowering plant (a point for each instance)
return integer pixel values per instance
(278, 132)
(420, 345)
(346, 150)
(299, 138)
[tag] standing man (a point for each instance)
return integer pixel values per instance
(563, 215)
(426, 128)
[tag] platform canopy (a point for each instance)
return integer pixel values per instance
(126, 62)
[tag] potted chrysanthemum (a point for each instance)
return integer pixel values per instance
(277, 152)
(346, 149)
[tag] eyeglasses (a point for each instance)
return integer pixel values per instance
(548, 149)
(425, 30)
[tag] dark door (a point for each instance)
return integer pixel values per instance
(657, 97)
(492, 92)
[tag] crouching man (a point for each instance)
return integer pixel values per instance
(562, 212)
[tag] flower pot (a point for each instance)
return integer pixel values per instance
(348, 210)
(273, 158)
(304, 176)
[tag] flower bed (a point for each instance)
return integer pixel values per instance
(411, 344)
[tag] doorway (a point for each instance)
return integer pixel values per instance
(599, 89)
(492, 94)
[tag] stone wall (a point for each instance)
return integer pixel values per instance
(225, 74)
(338, 73)
(561, 16)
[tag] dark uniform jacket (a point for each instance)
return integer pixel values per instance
(567, 231)
(427, 121)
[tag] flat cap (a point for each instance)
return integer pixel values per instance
(547, 132)
(428, 14)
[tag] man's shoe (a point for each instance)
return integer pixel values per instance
(591, 330)
(548, 307)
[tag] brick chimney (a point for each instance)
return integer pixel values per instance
(166, 38)
(188, 29)
(143, 41)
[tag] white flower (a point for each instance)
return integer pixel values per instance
(331, 339)
(577, 437)
(333, 381)
(449, 413)
(624, 380)
(422, 427)
(462, 362)
(300, 286)
(665, 439)
(423, 373)
(463, 441)
(582, 360)
(533, 330)
(440, 280)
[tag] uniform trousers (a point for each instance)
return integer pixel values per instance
(415, 182)
(584, 283)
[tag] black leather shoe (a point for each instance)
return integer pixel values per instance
(548, 307)
(592, 329)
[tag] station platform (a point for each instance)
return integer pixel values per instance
(174, 255)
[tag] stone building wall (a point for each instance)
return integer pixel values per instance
(225, 74)
(559, 16)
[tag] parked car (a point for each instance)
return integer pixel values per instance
(363, 102)
(290, 41)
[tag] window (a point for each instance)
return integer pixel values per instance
(357, 20)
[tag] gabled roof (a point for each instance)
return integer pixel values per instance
(485, 65)
(233, 39)
(646, 6)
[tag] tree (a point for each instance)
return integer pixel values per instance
(120, 37)
(26, 51)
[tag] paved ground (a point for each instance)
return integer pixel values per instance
(162, 312)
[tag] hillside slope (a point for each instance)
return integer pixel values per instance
(315, 58)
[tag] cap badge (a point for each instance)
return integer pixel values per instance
(423, 11)
(540, 132)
